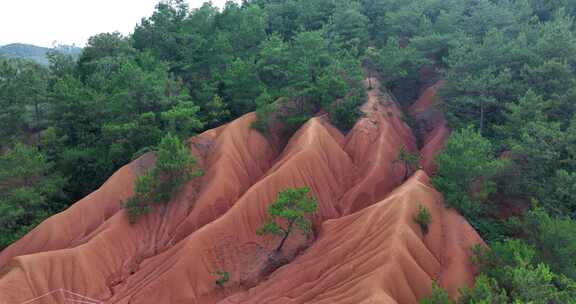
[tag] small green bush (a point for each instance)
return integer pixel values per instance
(223, 278)
(423, 218)
(292, 206)
(174, 167)
(411, 162)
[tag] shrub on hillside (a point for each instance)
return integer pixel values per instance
(423, 218)
(174, 167)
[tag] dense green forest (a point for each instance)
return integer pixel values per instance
(510, 98)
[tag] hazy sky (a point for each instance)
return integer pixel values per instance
(41, 22)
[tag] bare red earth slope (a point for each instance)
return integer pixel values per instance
(366, 247)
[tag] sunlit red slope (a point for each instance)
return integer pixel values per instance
(377, 255)
(366, 247)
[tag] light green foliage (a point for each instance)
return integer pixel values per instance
(485, 291)
(514, 266)
(29, 191)
(423, 218)
(217, 112)
(438, 296)
(533, 284)
(289, 211)
(174, 167)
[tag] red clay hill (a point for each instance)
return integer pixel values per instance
(366, 247)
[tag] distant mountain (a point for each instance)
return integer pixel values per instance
(35, 53)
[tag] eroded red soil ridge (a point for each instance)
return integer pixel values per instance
(366, 247)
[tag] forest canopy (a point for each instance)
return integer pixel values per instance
(509, 96)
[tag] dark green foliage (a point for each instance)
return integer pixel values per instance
(289, 211)
(541, 148)
(349, 27)
(410, 161)
(23, 98)
(554, 239)
(242, 86)
(423, 218)
(264, 113)
(30, 191)
(398, 67)
(467, 175)
(466, 172)
(117, 102)
(344, 114)
(311, 79)
(174, 167)
(485, 73)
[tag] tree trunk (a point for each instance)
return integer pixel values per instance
(481, 118)
(286, 234)
(406, 171)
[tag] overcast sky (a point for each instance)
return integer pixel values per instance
(41, 22)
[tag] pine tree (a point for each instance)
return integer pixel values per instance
(291, 207)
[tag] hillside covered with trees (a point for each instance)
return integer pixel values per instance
(507, 70)
(36, 53)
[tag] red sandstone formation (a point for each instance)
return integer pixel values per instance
(377, 255)
(366, 247)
